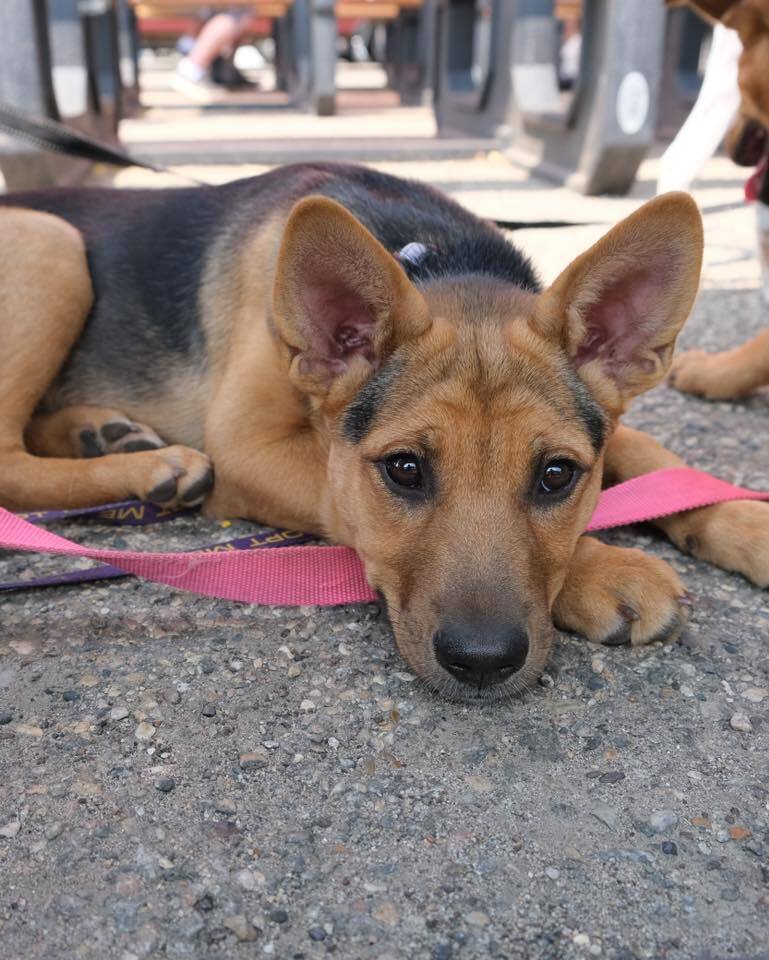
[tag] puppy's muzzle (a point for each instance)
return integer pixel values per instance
(481, 654)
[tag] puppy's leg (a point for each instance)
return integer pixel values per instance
(85, 431)
(733, 536)
(614, 595)
(45, 296)
(723, 376)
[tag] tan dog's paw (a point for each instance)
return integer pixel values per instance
(615, 595)
(177, 476)
(714, 376)
(733, 536)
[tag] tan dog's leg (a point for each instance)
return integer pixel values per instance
(733, 536)
(614, 595)
(45, 296)
(723, 376)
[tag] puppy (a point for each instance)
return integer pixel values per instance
(360, 357)
(736, 373)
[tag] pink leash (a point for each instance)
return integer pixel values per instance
(312, 575)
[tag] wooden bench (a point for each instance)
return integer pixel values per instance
(305, 33)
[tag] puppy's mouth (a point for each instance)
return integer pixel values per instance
(448, 688)
(748, 143)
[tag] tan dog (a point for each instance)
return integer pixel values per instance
(361, 357)
(736, 373)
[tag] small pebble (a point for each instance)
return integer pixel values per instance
(670, 848)
(165, 784)
(552, 873)
(5, 717)
(9, 831)
(605, 814)
(613, 776)
(755, 694)
(119, 713)
(144, 732)
(70, 696)
(209, 710)
(248, 879)
(741, 722)
(278, 915)
(55, 830)
(225, 805)
(477, 918)
(663, 820)
(317, 933)
(243, 930)
(254, 760)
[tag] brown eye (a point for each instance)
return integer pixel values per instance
(404, 470)
(557, 476)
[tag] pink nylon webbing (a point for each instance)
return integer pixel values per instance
(297, 576)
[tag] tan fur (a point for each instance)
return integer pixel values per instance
(487, 391)
(42, 312)
(735, 373)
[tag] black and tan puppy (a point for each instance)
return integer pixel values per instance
(359, 356)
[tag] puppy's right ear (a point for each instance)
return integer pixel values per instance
(341, 302)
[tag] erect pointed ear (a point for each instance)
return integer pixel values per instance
(618, 308)
(341, 302)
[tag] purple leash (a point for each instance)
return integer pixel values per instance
(134, 513)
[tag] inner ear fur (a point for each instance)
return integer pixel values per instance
(341, 301)
(617, 309)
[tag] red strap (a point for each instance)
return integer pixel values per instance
(297, 576)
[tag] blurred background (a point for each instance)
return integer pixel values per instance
(576, 91)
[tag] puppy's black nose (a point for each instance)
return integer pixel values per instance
(481, 654)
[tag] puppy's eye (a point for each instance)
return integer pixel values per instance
(404, 471)
(557, 477)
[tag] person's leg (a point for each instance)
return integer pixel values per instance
(711, 116)
(219, 35)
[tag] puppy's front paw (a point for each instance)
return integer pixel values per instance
(177, 476)
(733, 536)
(615, 595)
(714, 376)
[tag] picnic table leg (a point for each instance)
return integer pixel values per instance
(323, 57)
(128, 50)
(25, 83)
(102, 45)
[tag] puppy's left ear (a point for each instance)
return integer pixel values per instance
(618, 308)
(341, 302)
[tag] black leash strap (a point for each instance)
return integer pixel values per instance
(49, 134)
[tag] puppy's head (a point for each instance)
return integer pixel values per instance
(466, 420)
(746, 141)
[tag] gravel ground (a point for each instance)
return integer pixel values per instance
(184, 777)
